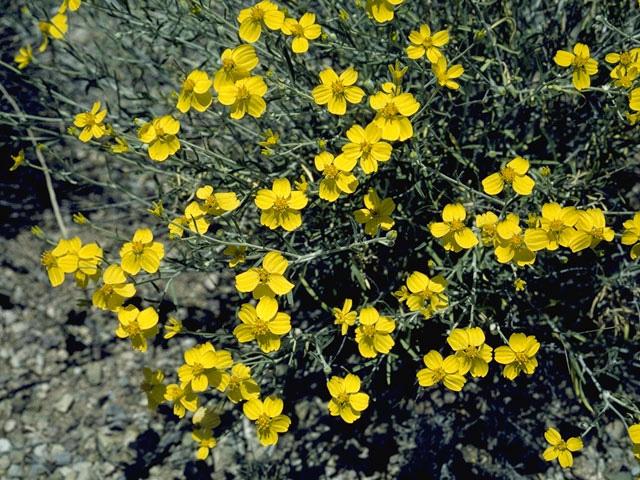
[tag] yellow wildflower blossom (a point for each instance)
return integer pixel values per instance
(141, 252)
(426, 290)
(559, 448)
(183, 399)
(121, 145)
(281, 206)
(268, 417)
(204, 366)
(217, 203)
(244, 96)
(72, 5)
(392, 111)
(510, 243)
(335, 91)
(487, 223)
(268, 280)
(337, 175)
(345, 317)
(57, 28)
(59, 261)
(252, 19)
(304, 30)
(366, 145)
(161, 135)
(347, 400)
(591, 229)
(373, 333)
(91, 123)
(583, 65)
(513, 174)
(262, 323)
(634, 99)
(376, 214)
(557, 223)
(196, 92)
(206, 442)
(17, 160)
(24, 57)
(425, 44)
(518, 356)
(455, 235)
(241, 385)
(236, 64)
(237, 254)
(153, 387)
(472, 353)
(381, 10)
(174, 328)
(137, 325)
(442, 370)
(114, 290)
(630, 236)
(445, 76)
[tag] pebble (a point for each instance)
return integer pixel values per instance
(5, 445)
(94, 373)
(10, 425)
(14, 471)
(64, 404)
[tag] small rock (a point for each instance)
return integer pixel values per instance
(84, 470)
(41, 451)
(5, 445)
(62, 458)
(94, 373)
(64, 404)
(9, 425)
(15, 471)
(36, 470)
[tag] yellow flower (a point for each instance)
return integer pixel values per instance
(455, 235)
(347, 399)
(72, 5)
(519, 284)
(487, 222)
(472, 353)
(634, 433)
(445, 75)
(268, 418)
(303, 31)
(518, 356)
(438, 369)
(57, 28)
(183, 399)
(425, 44)
(281, 206)
(206, 417)
(345, 317)
(205, 366)
(262, 323)
(244, 96)
(17, 160)
(267, 280)
(397, 73)
(194, 219)
(337, 175)
(583, 65)
(236, 64)
(24, 57)
(141, 252)
(158, 208)
(372, 333)
(392, 111)
(301, 185)
(591, 229)
(161, 137)
(402, 294)
(376, 214)
(426, 290)
(137, 325)
(241, 385)
(514, 174)
(557, 224)
(381, 10)
(205, 438)
(153, 387)
(624, 60)
(114, 290)
(60, 260)
(336, 91)
(559, 448)
(630, 236)
(196, 92)
(366, 145)
(624, 77)
(121, 145)
(270, 138)
(251, 20)
(634, 100)
(510, 243)
(237, 254)
(173, 329)
(217, 203)
(91, 123)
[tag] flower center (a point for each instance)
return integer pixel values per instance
(260, 327)
(159, 132)
(343, 398)
(243, 93)
(390, 110)
(137, 247)
(48, 260)
(132, 328)
(556, 225)
(426, 293)
(337, 87)
(597, 233)
(257, 14)
(579, 61)
(456, 225)
(297, 30)
(197, 369)
(471, 351)
(234, 383)
(228, 64)
(331, 171)
(369, 331)
(517, 240)
(439, 374)
(427, 42)
(188, 85)
(146, 387)
(508, 174)
(263, 274)
(211, 201)
(280, 204)
(107, 289)
(522, 358)
(263, 422)
(625, 58)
